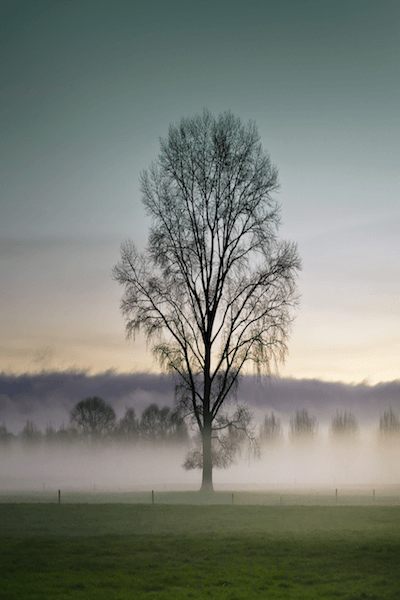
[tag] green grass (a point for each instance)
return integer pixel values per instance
(165, 551)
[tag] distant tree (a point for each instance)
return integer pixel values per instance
(128, 427)
(69, 435)
(271, 431)
(62, 434)
(6, 437)
(178, 430)
(31, 434)
(344, 426)
(303, 428)
(154, 423)
(162, 424)
(389, 424)
(93, 416)
(215, 288)
(50, 434)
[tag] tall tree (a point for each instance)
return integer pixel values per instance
(216, 287)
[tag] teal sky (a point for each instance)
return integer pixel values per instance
(88, 87)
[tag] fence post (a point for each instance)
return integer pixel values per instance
(373, 495)
(59, 496)
(232, 497)
(152, 496)
(336, 495)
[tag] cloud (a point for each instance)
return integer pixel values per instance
(49, 396)
(323, 398)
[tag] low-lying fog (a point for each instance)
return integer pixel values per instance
(48, 398)
(366, 460)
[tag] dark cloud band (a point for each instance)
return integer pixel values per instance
(50, 396)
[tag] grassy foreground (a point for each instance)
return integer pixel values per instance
(121, 551)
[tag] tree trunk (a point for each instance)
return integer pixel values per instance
(206, 434)
(207, 485)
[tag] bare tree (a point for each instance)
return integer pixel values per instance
(389, 424)
(67, 435)
(344, 426)
(216, 287)
(154, 423)
(303, 428)
(162, 425)
(271, 432)
(31, 434)
(128, 427)
(6, 437)
(50, 434)
(178, 431)
(93, 416)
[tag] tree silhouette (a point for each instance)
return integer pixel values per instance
(161, 425)
(178, 431)
(271, 431)
(303, 428)
(344, 426)
(389, 424)
(154, 423)
(50, 434)
(93, 416)
(31, 434)
(6, 437)
(216, 287)
(128, 427)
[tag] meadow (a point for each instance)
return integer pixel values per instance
(205, 550)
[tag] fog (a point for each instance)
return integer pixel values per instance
(49, 397)
(100, 467)
(367, 460)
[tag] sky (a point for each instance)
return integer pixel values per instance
(87, 89)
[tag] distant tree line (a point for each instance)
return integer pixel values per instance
(94, 420)
(344, 427)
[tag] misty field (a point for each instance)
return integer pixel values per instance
(170, 551)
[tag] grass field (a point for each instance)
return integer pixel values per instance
(168, 551)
